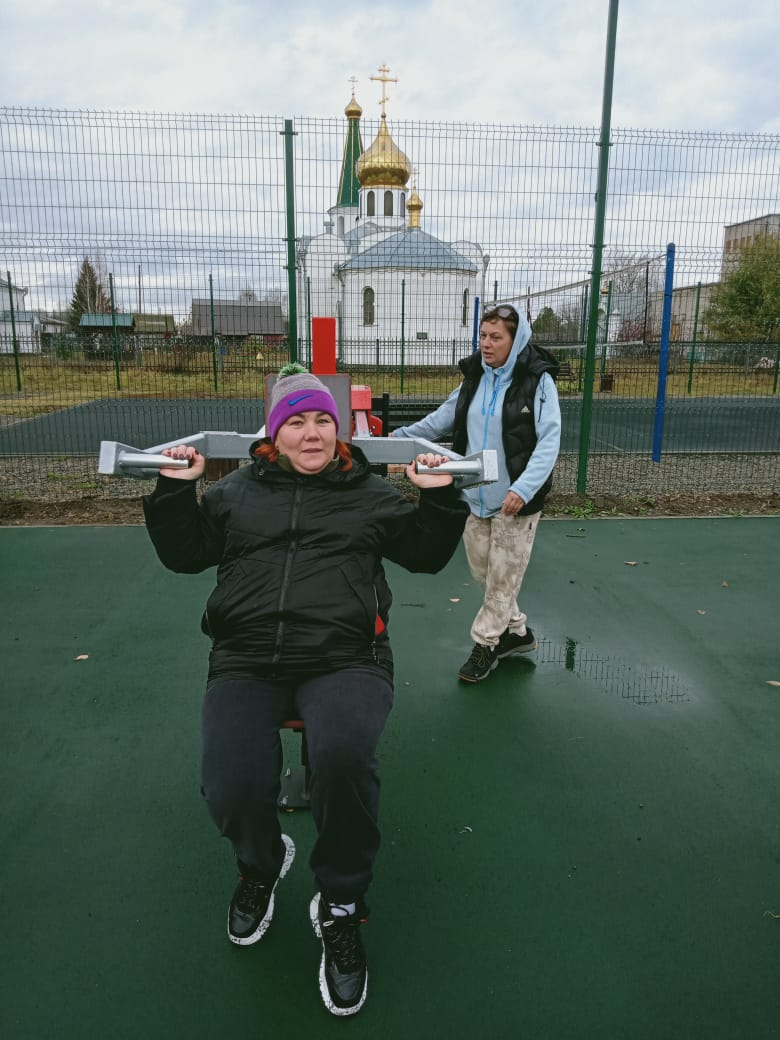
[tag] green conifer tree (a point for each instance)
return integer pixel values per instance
(89, 297)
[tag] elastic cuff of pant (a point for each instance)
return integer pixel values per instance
(342, 900)
(250, 873)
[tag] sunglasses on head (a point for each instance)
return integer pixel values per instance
(507, 313)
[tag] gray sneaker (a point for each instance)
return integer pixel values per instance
(343, 973)
(252, 905)
(510, 644)
(481, 662)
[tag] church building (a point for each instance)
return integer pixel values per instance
(399, 295)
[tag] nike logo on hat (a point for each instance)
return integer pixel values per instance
(292, 401)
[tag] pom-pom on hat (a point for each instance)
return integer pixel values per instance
(296, 391)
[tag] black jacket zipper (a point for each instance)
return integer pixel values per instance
(288, 563)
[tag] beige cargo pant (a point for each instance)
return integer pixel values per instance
(498, 549)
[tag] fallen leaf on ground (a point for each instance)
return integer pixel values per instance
(82, 657)
(454, 599)
(701, 611)
(773, 682)
(630, 563)
(724, 584)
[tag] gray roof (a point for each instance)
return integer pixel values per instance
(410, 249)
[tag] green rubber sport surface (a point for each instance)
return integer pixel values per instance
(584, 845)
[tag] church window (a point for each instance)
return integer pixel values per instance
(464, 318)
(368, 305)
(388, 203)
(402, 206)
(370, 204)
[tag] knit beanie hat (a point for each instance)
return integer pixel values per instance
(296, 391)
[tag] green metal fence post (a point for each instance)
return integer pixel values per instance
(292, 299)
(403, 322)
(598, 247)
(308, 320)
(692, 358)
(606, 328)
(213, 335)
(115, 332)
(584, 314)
(14, 339)
(777, 366)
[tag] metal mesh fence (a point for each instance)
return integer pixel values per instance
(145, 291)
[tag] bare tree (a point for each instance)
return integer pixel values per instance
(627, 282)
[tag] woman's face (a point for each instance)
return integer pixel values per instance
(308, 440)
(495, 342)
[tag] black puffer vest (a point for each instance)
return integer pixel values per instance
(518, 429)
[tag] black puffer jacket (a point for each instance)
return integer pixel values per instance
(300, 585)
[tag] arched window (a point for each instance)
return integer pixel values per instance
(388, 203)
(464, 318)
(370, 204)
(402, 206)
(368, 305)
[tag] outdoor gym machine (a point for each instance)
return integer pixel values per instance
(355, 425)
(123, 460)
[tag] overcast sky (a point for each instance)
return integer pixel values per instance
(680, 64)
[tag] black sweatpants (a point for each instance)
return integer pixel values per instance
(344, 714)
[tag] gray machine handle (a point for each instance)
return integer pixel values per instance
(458, 467)
(141, 458)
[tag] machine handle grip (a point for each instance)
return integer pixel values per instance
(458, 467)
(146, 461)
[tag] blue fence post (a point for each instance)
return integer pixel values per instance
(663, 359)
(475, 328)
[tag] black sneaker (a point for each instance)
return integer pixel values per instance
(480, 664)
(252, 905)
(343, 971)
(510, 644)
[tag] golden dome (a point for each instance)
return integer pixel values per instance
(414, 207)
(383, 165)
(353, 109)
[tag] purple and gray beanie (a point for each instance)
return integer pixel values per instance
(296, 391)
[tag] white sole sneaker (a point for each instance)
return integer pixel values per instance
(341, 1012)
(262, 927)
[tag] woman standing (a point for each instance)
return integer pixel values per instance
(507, 402)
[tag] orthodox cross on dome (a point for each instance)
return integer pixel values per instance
(384, 79)
(353, 81)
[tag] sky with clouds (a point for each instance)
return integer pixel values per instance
(680, 64)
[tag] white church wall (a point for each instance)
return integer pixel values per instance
(432, 329)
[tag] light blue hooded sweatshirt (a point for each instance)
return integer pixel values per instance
(484, 430)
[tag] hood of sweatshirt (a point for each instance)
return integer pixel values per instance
(521, 340)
